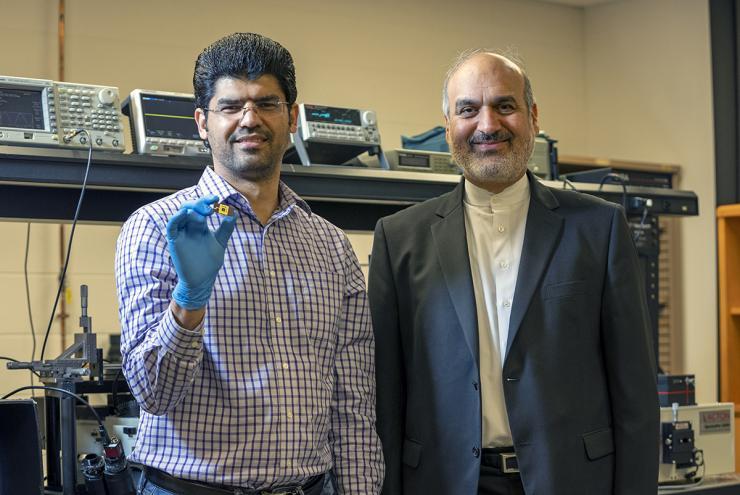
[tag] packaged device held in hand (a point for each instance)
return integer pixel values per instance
(222, 209)
(197, 253)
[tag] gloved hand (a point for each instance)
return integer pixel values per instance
(196, 252)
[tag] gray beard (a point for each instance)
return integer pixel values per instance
(488, 167)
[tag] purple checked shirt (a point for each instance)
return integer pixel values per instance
(278, 383)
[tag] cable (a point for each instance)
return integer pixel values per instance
(114, 389)
(674, 488)
(692, 480)
(644, 215)
(28, 296)
(616, 178)
(568, 182)
(68, 137)
(61, 390)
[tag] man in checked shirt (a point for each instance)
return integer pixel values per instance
(246, 338)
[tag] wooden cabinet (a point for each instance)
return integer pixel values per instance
(728, 246)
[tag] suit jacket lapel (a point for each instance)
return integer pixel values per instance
(541, 236)
(452, 250)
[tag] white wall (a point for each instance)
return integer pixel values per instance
(623, 80)
(385, 55)
(649, 98)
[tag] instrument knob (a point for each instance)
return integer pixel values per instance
(369, 118)
(106, 96)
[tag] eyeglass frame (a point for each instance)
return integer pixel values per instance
(255, 107)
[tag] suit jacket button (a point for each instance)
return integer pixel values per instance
(476, 452)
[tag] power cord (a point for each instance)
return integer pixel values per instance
(619, 179)
(61, 390)
(67, 138)
(28, 297)
(568, 182)
(691, 478)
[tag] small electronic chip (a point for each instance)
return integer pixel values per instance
(222, 209)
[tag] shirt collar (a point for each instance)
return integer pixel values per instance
(212, 183)
(512, 195)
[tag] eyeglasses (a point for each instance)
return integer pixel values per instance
(261, 108)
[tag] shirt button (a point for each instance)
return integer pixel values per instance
(285, 366)
(289, 463)
(278, 319)
(507, 303)
(504, 264)
(476, 452)
(195, 344)
(272, 273)
(289, 414)
(501, 228)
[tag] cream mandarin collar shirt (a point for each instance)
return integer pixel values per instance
(494, 228)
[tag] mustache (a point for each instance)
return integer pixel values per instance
(239, 135)
(487, 138)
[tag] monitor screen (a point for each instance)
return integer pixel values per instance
(22, 108)
(332, 115)
(169, 117)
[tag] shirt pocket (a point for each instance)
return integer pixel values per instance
(319, 297)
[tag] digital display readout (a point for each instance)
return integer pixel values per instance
(419, 161)
(22, 108)
(169, 117)
(332, 115)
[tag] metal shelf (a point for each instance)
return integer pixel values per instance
(43, 184)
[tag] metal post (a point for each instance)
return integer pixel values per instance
(53, 444)
(69, 444)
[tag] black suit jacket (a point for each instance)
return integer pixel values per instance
(579, 376)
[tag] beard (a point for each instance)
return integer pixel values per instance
(504, 166)
(252, 165)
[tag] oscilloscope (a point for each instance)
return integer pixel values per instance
(163, 123)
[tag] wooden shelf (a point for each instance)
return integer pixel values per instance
(728, 262)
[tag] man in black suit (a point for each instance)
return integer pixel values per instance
(512, 343)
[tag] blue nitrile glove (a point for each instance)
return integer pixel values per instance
(196, 252)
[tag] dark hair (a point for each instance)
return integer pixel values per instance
(243, 55)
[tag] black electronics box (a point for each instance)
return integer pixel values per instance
(676, 388)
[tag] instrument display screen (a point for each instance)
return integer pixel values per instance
(332, 115)
(22, 108)
(169, 117)
(419, 161)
